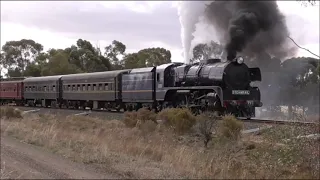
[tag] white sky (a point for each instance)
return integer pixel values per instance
(59, 25)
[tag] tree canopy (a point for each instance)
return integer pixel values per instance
(27, 58)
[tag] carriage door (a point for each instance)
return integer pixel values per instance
(16, 90)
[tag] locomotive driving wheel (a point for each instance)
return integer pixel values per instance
(214, 104)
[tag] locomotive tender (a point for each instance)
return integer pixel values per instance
(210, 85)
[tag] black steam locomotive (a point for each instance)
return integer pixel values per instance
(210, 85)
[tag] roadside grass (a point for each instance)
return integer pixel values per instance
(178, 146)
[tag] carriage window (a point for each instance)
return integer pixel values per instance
(54, 88)
(158, 77)
(83, 87)
(78, 87)
(100, 87)
(69, 87)
(94, 87)
(106, 86)
(45, 88)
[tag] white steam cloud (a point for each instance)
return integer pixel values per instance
(189, 13)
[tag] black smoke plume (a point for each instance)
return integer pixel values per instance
(252, 27)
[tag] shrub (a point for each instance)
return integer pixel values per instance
(148, 126)
(144, 115)
(206, 125)
(130, 119)
(10, 112)
(136, 119)
(180, 119)
(231, 127)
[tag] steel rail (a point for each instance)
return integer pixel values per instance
(276, 121)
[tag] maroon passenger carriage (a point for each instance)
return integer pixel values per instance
(12, 91)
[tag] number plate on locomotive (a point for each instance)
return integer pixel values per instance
(240, 92)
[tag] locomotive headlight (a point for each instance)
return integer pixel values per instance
(240, 60)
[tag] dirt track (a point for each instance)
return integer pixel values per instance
(24, 161)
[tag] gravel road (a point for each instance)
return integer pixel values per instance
(24, 161)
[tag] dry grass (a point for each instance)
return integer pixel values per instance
(10, 112)
(150, 150)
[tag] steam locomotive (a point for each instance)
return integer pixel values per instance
(210, 85)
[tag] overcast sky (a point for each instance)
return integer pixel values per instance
(137, 24)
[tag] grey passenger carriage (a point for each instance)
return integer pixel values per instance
(42, 90)
(95, 90)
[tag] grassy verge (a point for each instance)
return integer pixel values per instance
(180, 146)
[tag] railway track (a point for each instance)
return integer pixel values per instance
(274, 121)
(102, 113)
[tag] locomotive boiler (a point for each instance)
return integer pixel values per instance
(230, 83)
